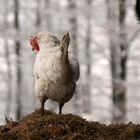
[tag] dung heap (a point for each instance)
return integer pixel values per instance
(52, 126)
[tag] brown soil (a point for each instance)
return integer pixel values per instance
(52, 126)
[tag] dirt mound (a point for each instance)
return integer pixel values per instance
(52, 126)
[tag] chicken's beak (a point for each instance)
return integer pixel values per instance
(31, 42)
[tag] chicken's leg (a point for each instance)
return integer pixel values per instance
(60, 107)
(42, 105)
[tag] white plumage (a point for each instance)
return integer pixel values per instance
(56, 70)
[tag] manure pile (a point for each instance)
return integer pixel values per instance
(52, 126)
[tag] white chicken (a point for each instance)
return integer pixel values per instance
(56, 70)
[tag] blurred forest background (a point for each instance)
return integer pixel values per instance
(105, 36)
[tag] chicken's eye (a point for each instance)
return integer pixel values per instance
(55, 41)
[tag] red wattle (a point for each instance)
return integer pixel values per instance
(34, 44)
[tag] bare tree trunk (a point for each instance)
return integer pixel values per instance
(7, 56)
(48, 16)
(73, 27)
(8, 79)
(137, 9)
(86, 93)
(118, 50)
(17, 50)
(124, 56)
(38, 15)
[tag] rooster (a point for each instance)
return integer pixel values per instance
(56, 70)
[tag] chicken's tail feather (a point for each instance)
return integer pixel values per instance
(64, 45)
